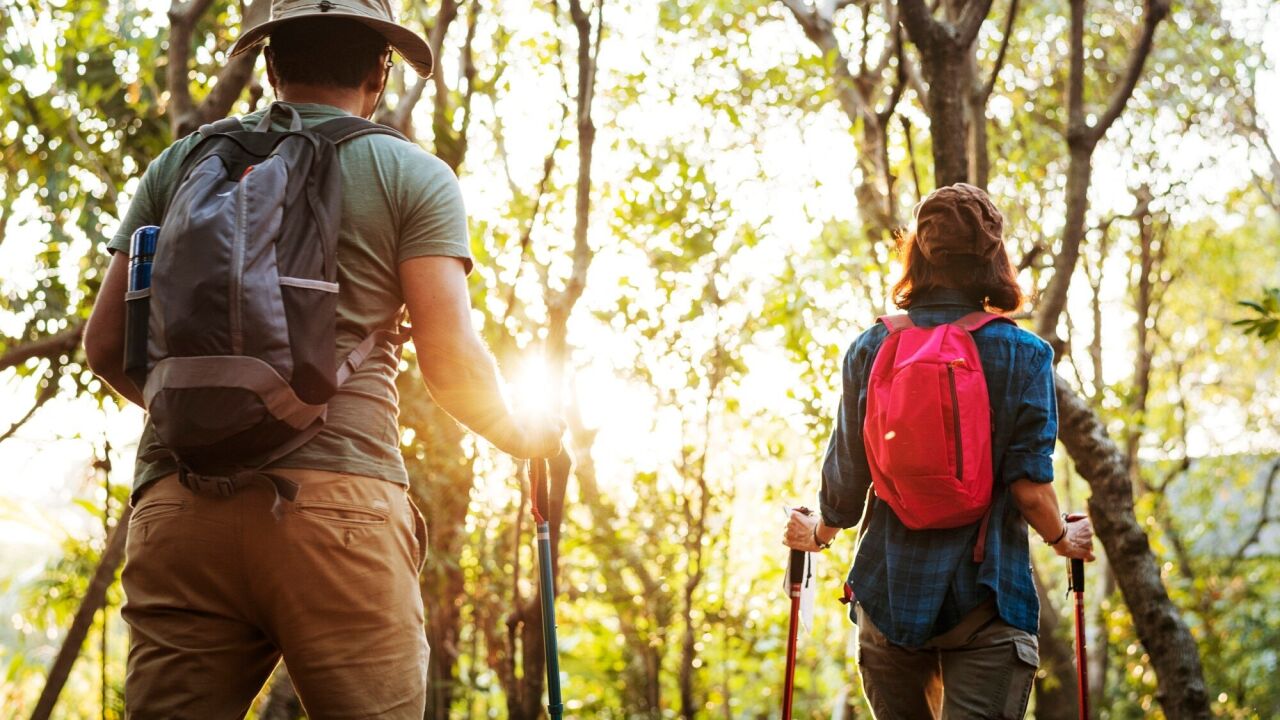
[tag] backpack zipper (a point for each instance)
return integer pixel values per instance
(237, 268)
(955, 416)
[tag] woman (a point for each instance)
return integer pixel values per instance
(942, 634)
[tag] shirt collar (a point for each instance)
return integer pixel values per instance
(945, 297)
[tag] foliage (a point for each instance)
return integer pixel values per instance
(733, 264)
(1267, 323)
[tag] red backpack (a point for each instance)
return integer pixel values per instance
(928, 426)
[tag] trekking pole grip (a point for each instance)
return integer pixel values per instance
(539, 488)
(796, 576)
(1077, 575)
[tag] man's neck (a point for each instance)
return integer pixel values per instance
(348, 99)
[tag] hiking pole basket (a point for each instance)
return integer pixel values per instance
(795, 580)
(1082, 671)
(540, 500)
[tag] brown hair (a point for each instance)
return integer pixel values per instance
(994, 283)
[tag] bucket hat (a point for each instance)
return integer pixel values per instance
(958, 220)
(375, 14)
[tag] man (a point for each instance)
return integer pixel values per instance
(217, 589)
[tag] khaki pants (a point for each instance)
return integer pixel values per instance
(983, 668)
(217, 591)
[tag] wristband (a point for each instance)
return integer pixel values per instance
(821, 545)
(1060, 537)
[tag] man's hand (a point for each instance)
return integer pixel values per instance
(1078, 542)
(534, 436)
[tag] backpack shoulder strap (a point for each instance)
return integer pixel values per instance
(225, 125)
(340, 130)
(399, 336)
(975, 321)
(897, 323)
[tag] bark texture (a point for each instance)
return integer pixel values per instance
(946, 48)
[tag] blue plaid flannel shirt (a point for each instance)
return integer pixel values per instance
(915, 584)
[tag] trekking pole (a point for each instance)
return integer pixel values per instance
(795, 581)
(1082, 672)
(540, 496)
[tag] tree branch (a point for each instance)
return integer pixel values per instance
(1077, 127)
(1153, 13)
(911, 156)
(526, 237)
(854, 104)
(970, 22)
(182, 20)
(899, 85)
(990, 85)
(50, 346)
(925, 32)
(588, 52)
(5, 210)
(237, 73)
(1264, 517)
(184, 115)
(46, 393)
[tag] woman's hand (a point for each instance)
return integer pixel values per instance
(1078, 542)
(801, 528)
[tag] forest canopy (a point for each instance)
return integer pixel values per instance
(682, 212)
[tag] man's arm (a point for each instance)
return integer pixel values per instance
(460, 372)
(104, 333)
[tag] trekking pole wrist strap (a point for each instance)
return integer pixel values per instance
(821, 545)
(1061, 535)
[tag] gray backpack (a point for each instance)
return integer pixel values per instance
(243, 300)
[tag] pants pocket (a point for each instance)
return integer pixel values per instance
(419, 535)
(343, 514)
(1026, 651)
(157, 502)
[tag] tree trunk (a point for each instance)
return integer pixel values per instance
(94, 598)
(1174, 656)
(1054, 300)
(979, 157)
(948, 89)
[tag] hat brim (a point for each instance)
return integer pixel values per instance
(412, 47)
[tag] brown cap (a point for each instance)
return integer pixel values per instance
(376, 14)
(958, 220)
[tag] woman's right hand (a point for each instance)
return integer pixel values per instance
(1078, 542)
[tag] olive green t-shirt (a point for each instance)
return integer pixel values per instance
(398, 202)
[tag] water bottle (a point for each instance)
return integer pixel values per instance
(142, 249)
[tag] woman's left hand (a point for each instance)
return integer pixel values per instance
(799, 533)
